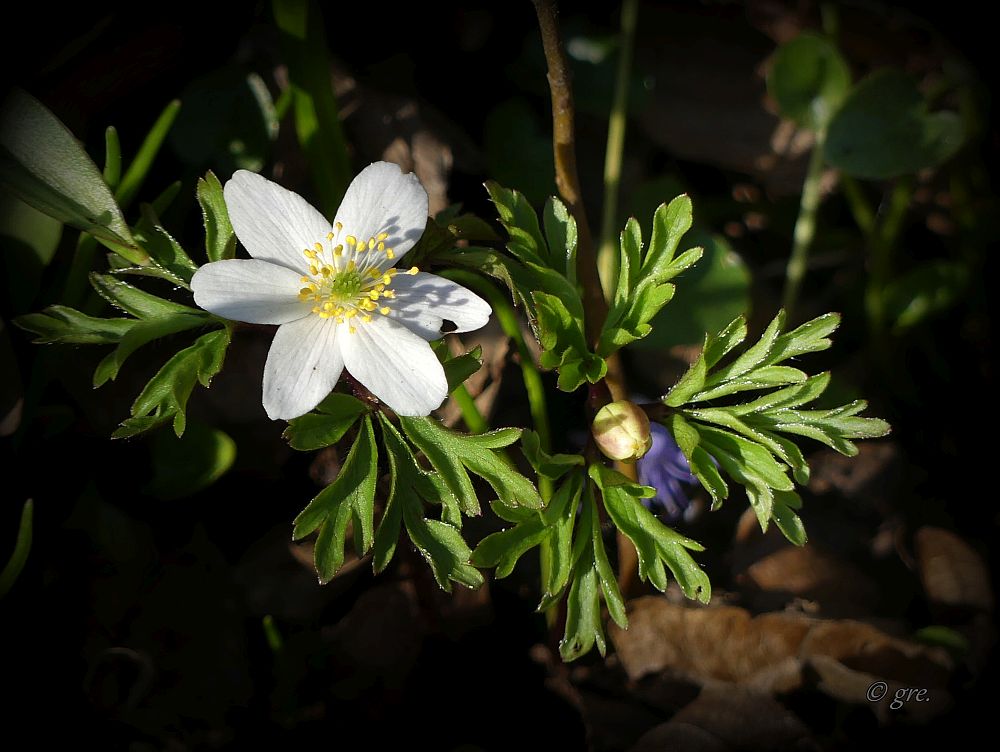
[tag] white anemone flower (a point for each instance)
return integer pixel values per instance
(335, 293)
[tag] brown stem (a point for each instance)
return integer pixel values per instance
(568, 183)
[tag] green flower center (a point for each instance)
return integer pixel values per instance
(348, 285)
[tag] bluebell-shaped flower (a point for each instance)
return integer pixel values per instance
(666, 469)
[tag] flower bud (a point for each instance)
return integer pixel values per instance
(621, 430)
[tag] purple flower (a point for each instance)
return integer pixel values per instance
(666, 469)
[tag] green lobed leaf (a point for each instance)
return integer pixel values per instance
(630, 261)
(583, 626)
(809, 79)
(444, 549)
(792, 396)
(139, 334)
(560, 515)
(689, 384)
(502, 550)
(458, 369)
(439, 542)
(470, 227)
(59, 324)
(655, 543)
(552, 466)
(519, 219)
(784, 516)
(605, 574)
(453, 454)
(137, 302)
(336, 414)
(753, 357)
(812, 336)
(763, 377)
(220, 239)
(44, 165)
(353, 486)
(402, 468)
(328, 550)
(583, 614)
(670, 223)
(561, 235)
(426, 433)
(165, 251)
(166, 395)
(713, 293)
(744, 459)
(717, 346)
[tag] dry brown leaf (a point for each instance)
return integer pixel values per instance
(952, 572)
(765, 652)
(838, 587)
(725, 718)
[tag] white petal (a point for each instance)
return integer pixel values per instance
(381, 199)
(423, 301)
(257, 292)
(303, 365)
(396, 365)
(273, 223)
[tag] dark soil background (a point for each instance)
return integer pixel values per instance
(141, 622)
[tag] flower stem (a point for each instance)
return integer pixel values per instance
(606, 256)
(805, 227)
(567, 181)
(474, 419)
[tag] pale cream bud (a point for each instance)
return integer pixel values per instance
(621, 430)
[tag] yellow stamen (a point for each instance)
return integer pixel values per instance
(352, 330)
(381, 246)
(329, 236)
(384, 310)
(351, 241)
(389, 253)
(338, 226)
(366, 318)
(383, 235)
(318, 247)
(412, 270)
